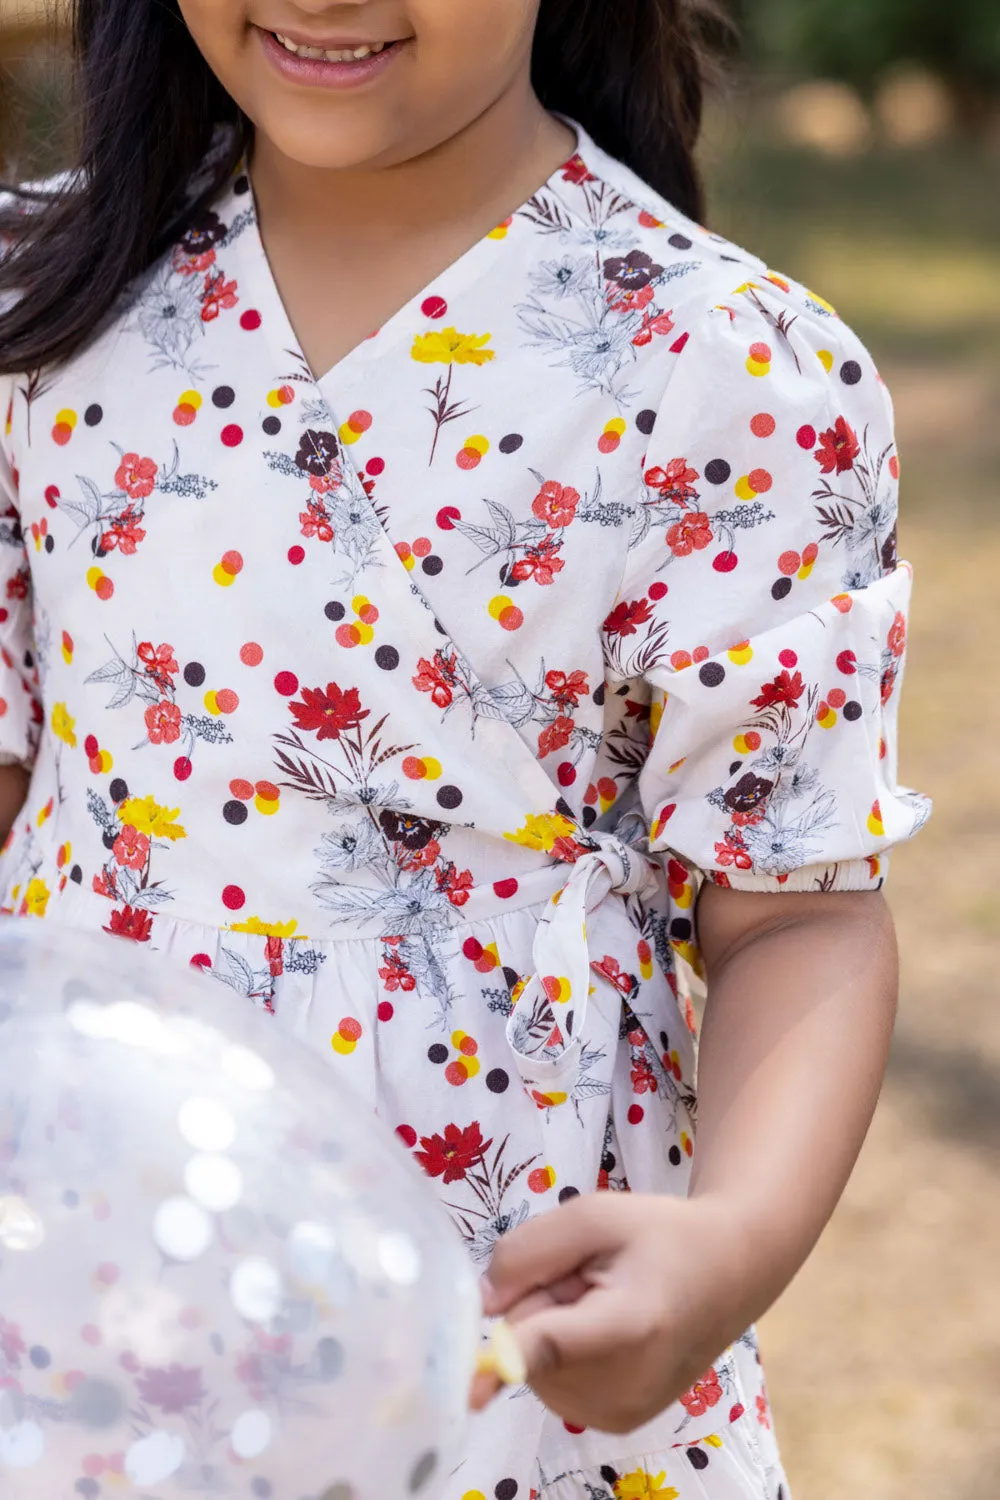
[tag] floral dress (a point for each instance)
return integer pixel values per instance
(415, 702)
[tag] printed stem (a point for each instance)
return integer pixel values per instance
(442, 401)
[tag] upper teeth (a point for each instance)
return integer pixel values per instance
(350, 55)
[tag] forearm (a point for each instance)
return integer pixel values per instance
(793, 1052)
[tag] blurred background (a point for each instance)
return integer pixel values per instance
(857, 148)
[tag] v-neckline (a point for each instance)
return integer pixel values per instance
(462, 269)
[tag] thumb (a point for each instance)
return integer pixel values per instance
(555, 1337)
(545, 1252)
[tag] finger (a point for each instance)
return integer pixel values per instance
(486, 1385)
(591, 1329)
(546, 1251)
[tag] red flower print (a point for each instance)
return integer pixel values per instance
(643, 1077)
(131, 848)
(733, 851)
(691, 533)
(575, 171)
(131, 922)
(274, 952)
(675, 482)
(124, 532)
(395, 975)
(450, 1156)
(163, 723)
(625, 619)
(136, 476)
(436, 677)
(662, 324)
(329, 714)
(315, 520)
(457, 884)
(567, 690)
(218, 295)
(763, 1415)
(785, 688)
(555, 504)
(171, 1390)
(838, 448)
(555, 735)
(610, 969)
(541, 563)
(19, 584)
(888, 683)
(158, 660)
(897, 635)
(704, 1393)
(12, 1345)
(629, 301)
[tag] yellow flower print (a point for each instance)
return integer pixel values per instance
(36, 898)
(147, 816)
(639, 1485)
(446, 346)
(257, 928)
(63, 726)
(541, 830)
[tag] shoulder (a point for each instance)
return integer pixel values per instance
(731, 313)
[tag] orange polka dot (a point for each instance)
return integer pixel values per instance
(760, 481)
(243, 790)
(232, 562)
(267, 791)
(251, 655)
(763, 425)
(350, 1029)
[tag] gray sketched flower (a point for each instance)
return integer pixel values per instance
(354, 847)
(776, 849)
(562, 278)
(777, 759)
(169, 314)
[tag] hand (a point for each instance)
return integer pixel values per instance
(620, 1301)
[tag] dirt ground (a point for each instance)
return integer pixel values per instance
(884, 1356)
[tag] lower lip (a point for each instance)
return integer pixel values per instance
(315, 72)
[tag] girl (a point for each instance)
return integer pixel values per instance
(458, 691)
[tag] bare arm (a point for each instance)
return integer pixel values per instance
(622, 1300)
(14, 782)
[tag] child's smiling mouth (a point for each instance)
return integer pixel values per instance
(335, 62)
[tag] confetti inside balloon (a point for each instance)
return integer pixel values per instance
(219, 1275)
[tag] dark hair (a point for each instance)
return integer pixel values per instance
(632, 74)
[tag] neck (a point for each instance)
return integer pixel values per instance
(499, 156)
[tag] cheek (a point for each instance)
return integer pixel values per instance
(219, 29)
(482, 38)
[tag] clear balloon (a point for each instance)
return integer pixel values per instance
(219, 1275)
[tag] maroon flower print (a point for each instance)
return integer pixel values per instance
(632, 272)
(131, 922)
(171, 1390)
(787, 687)
(136, 476)
(329, 714)
(318, 454)
(838, 448)
(556, 504)
(450, 1156)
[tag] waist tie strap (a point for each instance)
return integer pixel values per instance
(546, 1027)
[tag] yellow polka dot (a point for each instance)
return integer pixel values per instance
(712, 1439)
(274, 399)
(498, 604)
(744, 489)
(432, 768)
(106, 761)
(94, 576)
(345, 1045)
(223, 578)
(876, 826)
(805, 570)
(686, 897)
(360, 603)
(267, 808)
(190, 398)
(655, 715)
(475, 1494)
(211, 703)
(347, 434)
(471, 1066)
(822, 302)
(478, 443)
(825, 358)
(758, 367)
(365, 634)
(616, 425)
(827, 720)
(66, 416)
(740, 655)
(499, 233)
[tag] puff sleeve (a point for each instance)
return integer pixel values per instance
(20, 708)
(763, 603)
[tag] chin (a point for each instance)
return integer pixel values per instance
(318, 139)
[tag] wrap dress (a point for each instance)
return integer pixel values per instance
(415, 702)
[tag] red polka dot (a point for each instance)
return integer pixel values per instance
(233, 898)
(286, 683)
(359, 421)
(636, 1114)
(182, 768)
(658, 591)
(847, 663)
(788, 659)
(52, 495)
(566, 773)
(836, 697)
(242, 790)
(473, 949)
(90, 745)
(789, 563)
(407, 1135)
(810, 553)
(227, 700)
(806, 437)
(447, 516)
(104, 588)
(251, 655)
(296, 555)
(385, 1010)
(700, 653)
(421, 547)
(232, 562)
(893, 468)
(232, 435)
(267, 791)
(350, 1029)
(184, 414)
(456, 1074)
(763, 425)
(434, 307)
(250, 320)
(375, 467)
(201, 961)
(725, 562)
(760, 481)
(505, 888)
(574, 1430)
